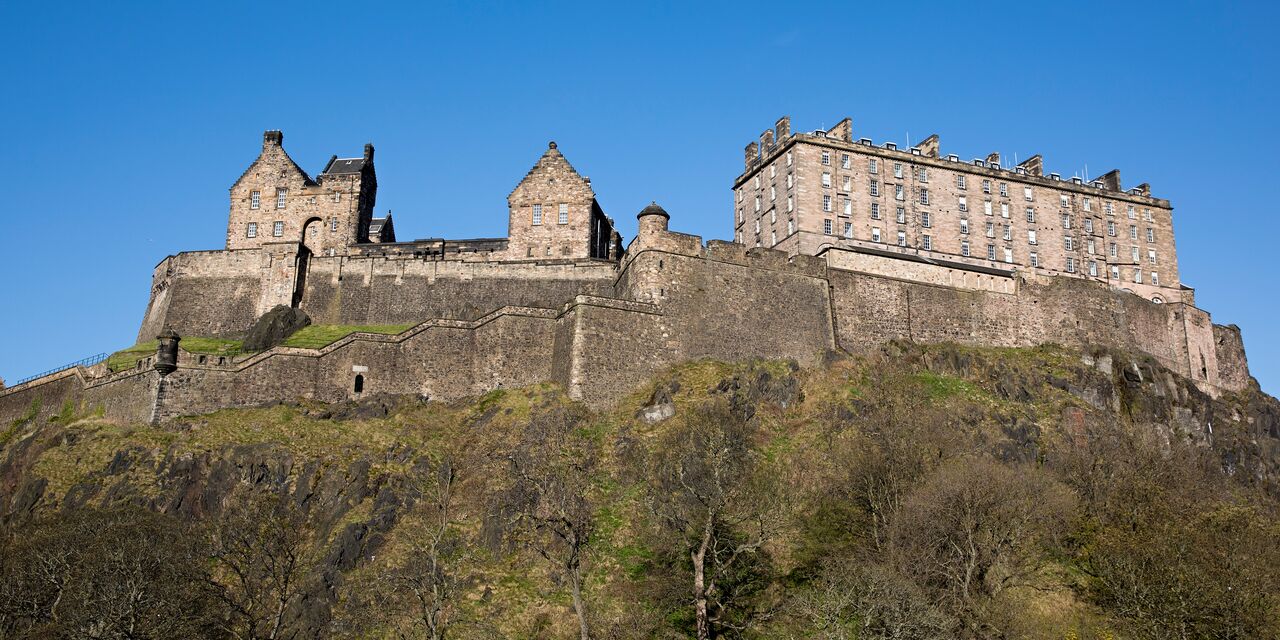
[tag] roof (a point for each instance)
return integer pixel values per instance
(343, 165)
(376, 224)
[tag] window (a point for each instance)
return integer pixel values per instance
(964, 205)
(1068, 243)
(1134, 252)
(1151, 256)
(875, 234)
(926, 243)
(875, 187)
(991, 252)
(790, 179)
(790, 204)
(1146, 215)
(1088, 204)
(826, 179)
(875, 210)
(873, 166)
(1066, 221)
(1155, 278)
(1008, 232)
(1004, 189)
(1133, 232)
(1093, 248)
(255, 199)
(773, 215)
(280, 195)
(961, 182)
(899, 192)
(1008, 255)
(739, 215)
(1071, 265)
(844, 161)
(847, 206)
(986, 206)
(925, 219)
(1133, 213)
(986, 186)
(1004, 209)
(791, 227)
(964, 248)
(964, 226)
(902, 238)
(826, 157)
(848, 229)
(773, 193)
(1115, 273)
(739, 195)
(897, 169)
(924, 174)
(1088, 225)
(1111, 228)
(1035, 260)
(537, 212)
(924, 196)
(1031, 215)
(773, 238)
(1137, 276)
(826, 226)
(252, 230)
(1110, 210)
(846, 183)
(1031, 236)
(1064, 201)
(1026, 194)
(1093, 268)
(1114, 252)
(826, 203)
(337, 197)
(902, 215)
(277, 229)
(788, 158)
(1151, 234)
(991, 230)
(773, 171)
(757, 225)
(333, 224)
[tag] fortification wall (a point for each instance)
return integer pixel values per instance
(1233, 368)
(122, 397)
(204, 293)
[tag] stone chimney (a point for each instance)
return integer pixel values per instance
(782, 128)
(930, 147)
(751, 153)
(1033, 166)
(993, 157)
(272, 138)
(843, 130)
(766, 140)
(1144, 189)
(368, 152)
(1111, 180)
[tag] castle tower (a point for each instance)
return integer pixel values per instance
(554, 214)
(274, 201)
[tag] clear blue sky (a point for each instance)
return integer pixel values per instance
(125, 123)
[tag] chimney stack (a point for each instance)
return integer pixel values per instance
(930, 147)
(368, 152)
(272, 138)
(1033, 166)
(750, 154)
(782, 128)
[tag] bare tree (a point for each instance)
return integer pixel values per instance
(707, 492)
(549, 496)
(862, 599)
(430, 575)
(262, 554)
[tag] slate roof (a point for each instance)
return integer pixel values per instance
(343, 165)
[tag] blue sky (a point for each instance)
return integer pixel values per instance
(125, 123)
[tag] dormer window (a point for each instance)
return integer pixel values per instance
(280, 195)
(255, 199)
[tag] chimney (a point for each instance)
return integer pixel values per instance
(1144, 189)
(751, 153)
(272, 138)
(1111, 180)
(766, 140)
(993, 158)
(368, 152)
(1033, 166)
(843, 131)
(782, 128)
(930, 147)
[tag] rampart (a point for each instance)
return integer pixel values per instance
(601, 329)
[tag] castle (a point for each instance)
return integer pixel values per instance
(838, 245)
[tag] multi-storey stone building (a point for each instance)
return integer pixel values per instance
(804, 193)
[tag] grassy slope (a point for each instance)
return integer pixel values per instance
(311, 337)
(523, 595)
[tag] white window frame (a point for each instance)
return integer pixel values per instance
(255, 199)
(537, 214)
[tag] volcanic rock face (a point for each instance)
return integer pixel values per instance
(274, 326)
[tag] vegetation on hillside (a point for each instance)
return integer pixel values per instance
(924, 492)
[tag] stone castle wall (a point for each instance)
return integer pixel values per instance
(671, 299)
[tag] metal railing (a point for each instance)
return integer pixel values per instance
(85, 362)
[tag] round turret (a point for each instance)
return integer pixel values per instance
(167, 352)
(653, 219)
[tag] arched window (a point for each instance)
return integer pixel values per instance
(359, 383)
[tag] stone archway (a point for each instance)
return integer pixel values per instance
(308, 244)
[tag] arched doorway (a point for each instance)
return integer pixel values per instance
(308, 244)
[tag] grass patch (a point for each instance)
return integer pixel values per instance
(128, 358)
(938, 386)
(322, 335)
